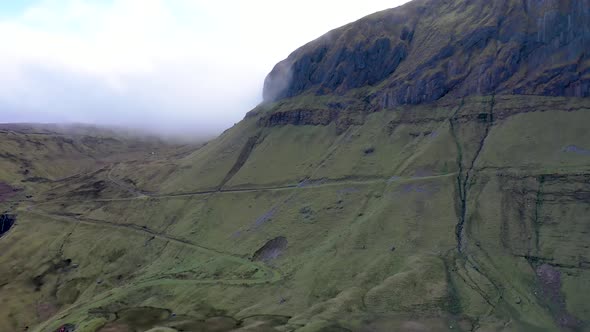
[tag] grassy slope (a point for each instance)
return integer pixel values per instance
(526, 202)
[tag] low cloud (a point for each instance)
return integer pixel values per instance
(177, 66)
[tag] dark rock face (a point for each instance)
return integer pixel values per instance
(6, 223)
(271, 250)
(313, 117)
(366, 64)
(66, 328)
(429, 49)
(300, 117)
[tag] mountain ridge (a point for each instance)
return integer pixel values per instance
(425, 50)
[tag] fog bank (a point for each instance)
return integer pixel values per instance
(174, 67)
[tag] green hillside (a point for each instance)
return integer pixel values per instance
(328, 208)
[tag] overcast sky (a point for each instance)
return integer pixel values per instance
(170, 65)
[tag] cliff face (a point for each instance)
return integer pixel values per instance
(427, 49)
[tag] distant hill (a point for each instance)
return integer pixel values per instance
(41, 153)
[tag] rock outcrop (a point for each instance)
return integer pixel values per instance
(298, 117)
(271, 249)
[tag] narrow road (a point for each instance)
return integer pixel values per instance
(271, 275)
(319, 184)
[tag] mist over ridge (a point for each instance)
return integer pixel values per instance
(170, 67)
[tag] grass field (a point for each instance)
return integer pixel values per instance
(467, 215)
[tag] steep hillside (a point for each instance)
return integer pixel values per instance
(403, 175)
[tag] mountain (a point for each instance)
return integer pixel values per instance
(426, 168)
(427, 50)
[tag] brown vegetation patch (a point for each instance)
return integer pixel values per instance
(6, 191)
(46, 310)
(550, 282)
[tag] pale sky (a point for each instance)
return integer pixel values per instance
(186, 66)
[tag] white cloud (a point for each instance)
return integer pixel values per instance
(161, 64)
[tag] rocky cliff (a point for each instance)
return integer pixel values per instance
(429, 49)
